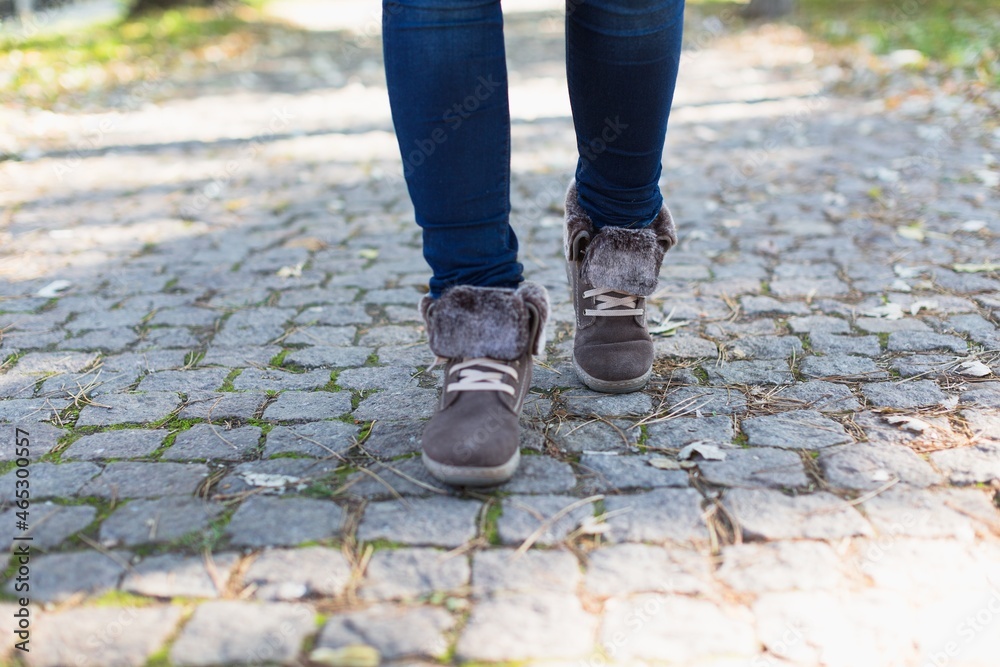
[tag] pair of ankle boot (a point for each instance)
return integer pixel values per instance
(487, 336)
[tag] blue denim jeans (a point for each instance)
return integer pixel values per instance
(447, 78)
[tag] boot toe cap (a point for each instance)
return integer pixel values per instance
(616, 362)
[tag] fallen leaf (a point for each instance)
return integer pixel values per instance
(291, 271)
(356, 655)
(975, 368)
(911, 232)
(53, 289)
(900, 285)
(667, 328)
(592, 525)
(909, 423)
(890, 311)
(269, 480)
(310, 243)
(707, 450)
(368, 253)
(976, 268)
(973, 225)
(663, 463)
(922, 303)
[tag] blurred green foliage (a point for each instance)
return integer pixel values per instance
(963, 34)
(49, 68)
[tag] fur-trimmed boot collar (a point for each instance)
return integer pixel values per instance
(622, 259)
(495, 322)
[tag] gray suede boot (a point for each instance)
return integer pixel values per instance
(610, 272)
(487, 335)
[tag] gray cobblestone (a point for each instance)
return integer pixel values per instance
(269, 521)
(506, 571)
(329, 357)
(915, 394)
(756, 467)
(522, 516)
(783, 566)
(171, 575)
(437, 521)
(821, 396)
(277, 380)
(868, 466)
(842, 367)
(410, 573)
(322, 439)
(42, 438)
(625, 569)
(51, 480)
(706, 400)
(765, 347)
(219, 406)
(691, 630)
(676, 433)
(156, 521)
(323, 336)
(227, 632)
(308, 405)
(201, 379)
(383, 481)
(835, 344)
(411, 403)
(771, 515)
(277, 475)
(583, 403)
(129, 409)
(796, 429)
(919, 341)
(291, 574)
(522, 627)
(128, 479)
(92, 635)
(395, 632)
(949, 513)
(209, 441)
(611, 472)
(50, 524)
(768, 372)
(58, 576)
(594, 435)
(979, 464)
(31, 410)
(660, 516)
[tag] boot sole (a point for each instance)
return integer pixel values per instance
(612, 386)
(472, 475)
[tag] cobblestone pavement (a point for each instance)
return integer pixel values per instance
(224, 399)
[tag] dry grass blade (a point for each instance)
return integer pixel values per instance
(113, 556)
(548, 523)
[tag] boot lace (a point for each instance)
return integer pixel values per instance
(471, 378)
(611, 303)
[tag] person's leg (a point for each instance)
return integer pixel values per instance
(447, 78)
(621, 63)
